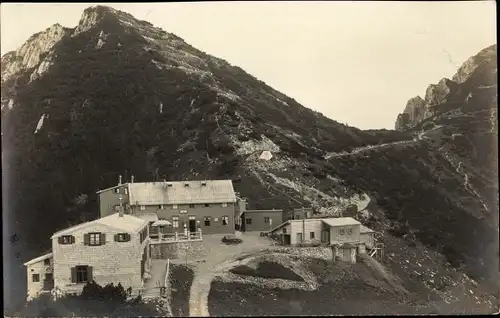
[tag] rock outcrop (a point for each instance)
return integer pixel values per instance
(437, 95)
(32, 53)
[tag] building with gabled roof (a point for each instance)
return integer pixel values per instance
(343, 233)
(208, 206)
(112, 249)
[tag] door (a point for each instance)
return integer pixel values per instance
(192, 224)
(299, 238)
(286, 239)
(48, 282)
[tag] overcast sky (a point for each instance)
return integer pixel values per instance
(356, 62)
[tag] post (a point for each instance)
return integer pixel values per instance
(121, 207)
(303, 230)
(176, 236)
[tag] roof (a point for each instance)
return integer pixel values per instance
(38, 259)
(126, 223)
(257, 211)
(340, 221)
(364, 229)
(329, 221)
(114, 187)
(150, 217)
(176, 192)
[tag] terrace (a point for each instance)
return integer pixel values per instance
(160, 238)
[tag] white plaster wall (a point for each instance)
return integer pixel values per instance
(33, 288)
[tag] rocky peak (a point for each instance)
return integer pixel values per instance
(438, 93)
(487, 55)
(91, 17)
(32, 51)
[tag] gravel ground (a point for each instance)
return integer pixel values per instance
(344, 289)
(181, 278)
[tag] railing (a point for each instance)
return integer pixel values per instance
(165, 282)
(176, 237)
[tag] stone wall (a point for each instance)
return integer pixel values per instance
(194, 249)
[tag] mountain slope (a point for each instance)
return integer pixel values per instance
(116, 96)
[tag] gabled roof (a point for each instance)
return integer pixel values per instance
(340, 221)
(257, 211)
(332, 222)
(150, 217)
(116, 186)
(364, 229)
(176, 192)
(126, 223)
(38, 259)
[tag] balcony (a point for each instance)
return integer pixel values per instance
(160, 238)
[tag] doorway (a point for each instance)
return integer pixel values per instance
(286, 239)
(192, 224)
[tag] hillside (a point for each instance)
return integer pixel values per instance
(116, 95)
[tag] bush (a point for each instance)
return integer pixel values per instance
(94, 300)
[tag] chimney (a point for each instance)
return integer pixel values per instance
(119, 179)
(132, 179)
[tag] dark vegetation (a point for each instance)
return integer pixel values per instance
(267, 270)
(181, 278)
(95, 301)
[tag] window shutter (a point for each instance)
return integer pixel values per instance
(89, 273)
(127, 237)
(103, 238)
(72, 239)
(60, 240)
(116, 237)
(73, 274)
(86, 239)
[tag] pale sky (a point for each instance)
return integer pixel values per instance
(356, 62)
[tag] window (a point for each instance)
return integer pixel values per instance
(207, 205)
(203, 184)
(66, 239)
(191, 206)
(284, 230)
(46, 261)
(186, 184)
(169, 185)
(349, 231)
(82, 274)
(297, 217)
(183, 211)
(143, 207)
(207, 221)
(126, 191)
(175, 221)
(117, 190)
(160, 207)
(341, 231)
(116, 207)
(225, 220)
(224, 205)
(174, 206)
(266, 220)
(94, 239)
(249, 221)
(49, 276)
(124, 237)
(311, 235)
(36, 278)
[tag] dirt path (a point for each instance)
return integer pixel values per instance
(220, 259)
